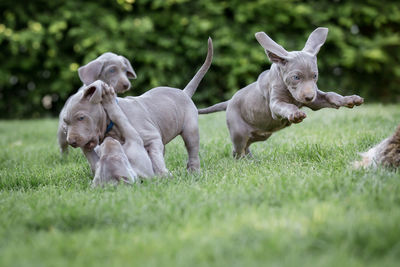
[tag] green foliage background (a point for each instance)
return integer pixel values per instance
(42, 44)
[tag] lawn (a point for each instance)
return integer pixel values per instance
(297, 203)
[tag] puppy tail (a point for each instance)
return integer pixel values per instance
(194, 83)
(215, 108)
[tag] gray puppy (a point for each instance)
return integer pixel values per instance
(155, 118)
(110, 68)
(273, 102)
(113, 166)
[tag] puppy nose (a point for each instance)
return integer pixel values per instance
(72, 142)
(308, 98)
(126, 86)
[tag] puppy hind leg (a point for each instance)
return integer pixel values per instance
(239, 135)
(238, 131)
(253, 139)
(247, 151)
(239, 145)
(190, 136)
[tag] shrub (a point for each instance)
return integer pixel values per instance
(44, 42)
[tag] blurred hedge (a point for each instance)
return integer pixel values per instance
(42, 44)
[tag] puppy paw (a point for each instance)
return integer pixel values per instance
(165, 174)
(108, 94)
(353, 100)
(297, 116)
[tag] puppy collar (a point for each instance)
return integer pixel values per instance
(109, 126)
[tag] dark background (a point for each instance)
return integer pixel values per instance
(42, 44)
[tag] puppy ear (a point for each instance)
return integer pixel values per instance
(90, 72)
(93, 92)
(130, 72)
(316, 39)
(275, 52)
(130, 175)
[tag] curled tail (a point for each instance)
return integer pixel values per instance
(194, 83)
(215, 108)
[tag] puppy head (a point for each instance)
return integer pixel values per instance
(85, 117)
(298, 69)
(110, 146)
(110, 68)
(113, 166)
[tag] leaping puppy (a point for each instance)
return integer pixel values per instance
(273, 102)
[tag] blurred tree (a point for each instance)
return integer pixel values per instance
(44, 42)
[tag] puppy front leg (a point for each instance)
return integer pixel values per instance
(92, 158)
(156, 153)
(133, 147)
(334, 100)
(62, 139)
(117, 115)
(287, 111)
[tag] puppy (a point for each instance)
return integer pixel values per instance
(386, 153)
(273, 102)
(113, 166)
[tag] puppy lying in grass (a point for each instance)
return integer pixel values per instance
(386, 153)
(273, 102)
(113, 166)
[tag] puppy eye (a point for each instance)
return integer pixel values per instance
(315, 76)
(296, 77)
(81, 118)
(112, 70)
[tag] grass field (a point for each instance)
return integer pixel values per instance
(298, 203)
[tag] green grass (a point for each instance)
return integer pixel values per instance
(298, 203)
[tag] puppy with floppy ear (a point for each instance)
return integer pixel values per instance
(113, 166)
(110, 68)
(273, 102)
